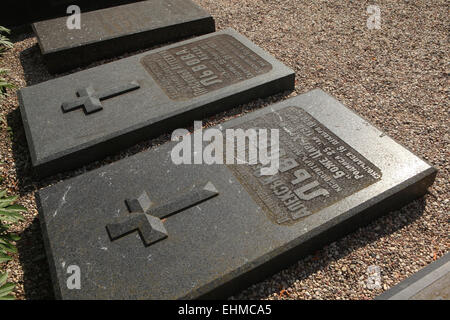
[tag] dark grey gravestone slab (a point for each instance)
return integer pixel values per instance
(19, 12)
(144, 228)
(113, 31)
(85, 116)
(430, 283)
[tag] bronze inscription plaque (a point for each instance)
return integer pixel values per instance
(316, 168)
(203, 66)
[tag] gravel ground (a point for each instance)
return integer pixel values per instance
(396, 77)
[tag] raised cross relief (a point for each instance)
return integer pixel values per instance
(90, 100)
(146, 218)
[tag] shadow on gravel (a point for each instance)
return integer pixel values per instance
(20, 152)
(30, 58)
(36, 275)
(33, 65)
(321, 259)
(20, 33)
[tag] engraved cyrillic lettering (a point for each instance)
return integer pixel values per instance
(203, 66)
(316, 168)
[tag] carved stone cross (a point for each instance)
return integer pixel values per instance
(90, 99)
(147, 219)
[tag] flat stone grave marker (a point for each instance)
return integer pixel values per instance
(113, 31)
(20, 12)
(146, 228)
(82, 117)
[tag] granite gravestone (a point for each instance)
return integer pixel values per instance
(145, 228)
(20, 12)
(113, 31)
(85, 116)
